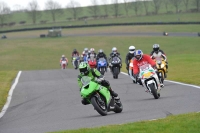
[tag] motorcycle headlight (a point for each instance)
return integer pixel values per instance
(158, 62)
(162, 65)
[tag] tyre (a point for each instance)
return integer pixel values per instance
(102, 71)
(162, 78)
(100, 107)
(153, 91)
(116, 72)
(76, 64)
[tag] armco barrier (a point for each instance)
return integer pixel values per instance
(98, 25)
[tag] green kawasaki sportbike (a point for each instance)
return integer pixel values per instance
(99, 96)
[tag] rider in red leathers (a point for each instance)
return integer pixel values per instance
(141, 59)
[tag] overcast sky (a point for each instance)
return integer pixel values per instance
(19, 4)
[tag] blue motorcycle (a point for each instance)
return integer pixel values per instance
(85, 58)
(102, 65)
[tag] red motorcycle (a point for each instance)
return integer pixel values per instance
(63, 64)
(92, 63)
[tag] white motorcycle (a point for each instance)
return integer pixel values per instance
(150, 80)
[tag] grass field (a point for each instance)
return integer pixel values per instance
(40, 54)
(187, 123)
(63, 20)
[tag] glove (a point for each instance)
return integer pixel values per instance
(99, 80)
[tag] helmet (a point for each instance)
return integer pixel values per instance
(114, 50)
(83, 52)
(131, 49)
(92, 50)
(138, 54)
(100, 51)
(155, 47)
(84, 68)
(75, 50)
(86, 50)
(63, 55)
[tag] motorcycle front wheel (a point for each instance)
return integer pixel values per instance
(154, 91)
(99, 106)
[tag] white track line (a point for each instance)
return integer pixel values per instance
(173, 82)
(3, 111)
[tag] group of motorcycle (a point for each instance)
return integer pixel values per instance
(151, 78)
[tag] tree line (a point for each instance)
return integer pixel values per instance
(74, 8)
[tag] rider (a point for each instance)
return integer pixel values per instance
(63, 58)
(139, 60)
(129, 56)
(86, 51)
(82, 56)
(92, 53)
(75, 53)
(157, 52)
(95, 75)
(101, 54)
(113, 54)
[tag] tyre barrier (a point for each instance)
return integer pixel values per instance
(42, 35)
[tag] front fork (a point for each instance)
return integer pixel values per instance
(157, 80)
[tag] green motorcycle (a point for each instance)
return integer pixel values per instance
(99, 96)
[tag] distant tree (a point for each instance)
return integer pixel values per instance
(156, 5)
(186, 4)
(105, 8)
(33, 11)
(197, 3)
(127, 6)
(146, 6)
(115, 7)
(4, 13)
(176, 3)
(74, 8)
(136, 6)
(94, 9)
(166, 3)
(54, 8)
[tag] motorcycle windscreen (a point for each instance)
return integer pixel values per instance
(102, 62)
(106, 93)
(88, 86)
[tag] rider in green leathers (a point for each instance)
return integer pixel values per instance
(96, 76)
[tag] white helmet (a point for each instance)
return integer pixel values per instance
(63, 55)
(131, 49)
(92, 50)
(114, 50)
(86, 49)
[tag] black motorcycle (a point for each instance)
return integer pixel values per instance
(115, 66)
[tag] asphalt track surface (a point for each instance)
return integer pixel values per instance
(49, 100)
(175, 34)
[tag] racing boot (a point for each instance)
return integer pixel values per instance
(84, 101)
(114, 94)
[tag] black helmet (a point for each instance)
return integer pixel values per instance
(75, 50)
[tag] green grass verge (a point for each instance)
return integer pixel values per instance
(6, 78)
(186, 123)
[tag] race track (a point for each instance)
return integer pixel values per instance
(49, 100)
